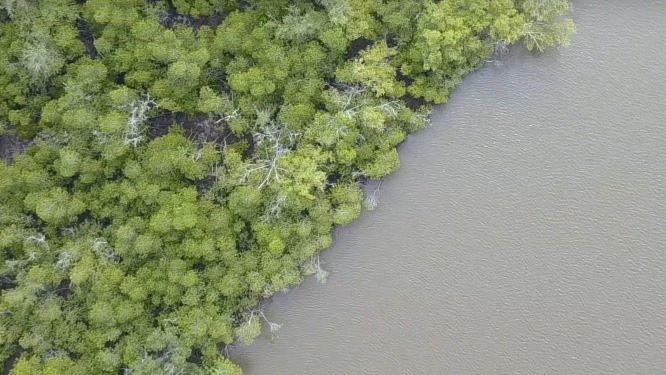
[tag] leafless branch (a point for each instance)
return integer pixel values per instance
(138, 114)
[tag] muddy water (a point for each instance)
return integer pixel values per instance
(524, 234)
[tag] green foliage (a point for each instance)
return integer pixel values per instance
(454, 37)
(183, 170)
(545, 28)
(373, 70)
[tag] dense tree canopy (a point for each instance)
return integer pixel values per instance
(189, 158)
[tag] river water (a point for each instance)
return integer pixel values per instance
(525, 232)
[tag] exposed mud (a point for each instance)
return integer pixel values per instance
(11, 145)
